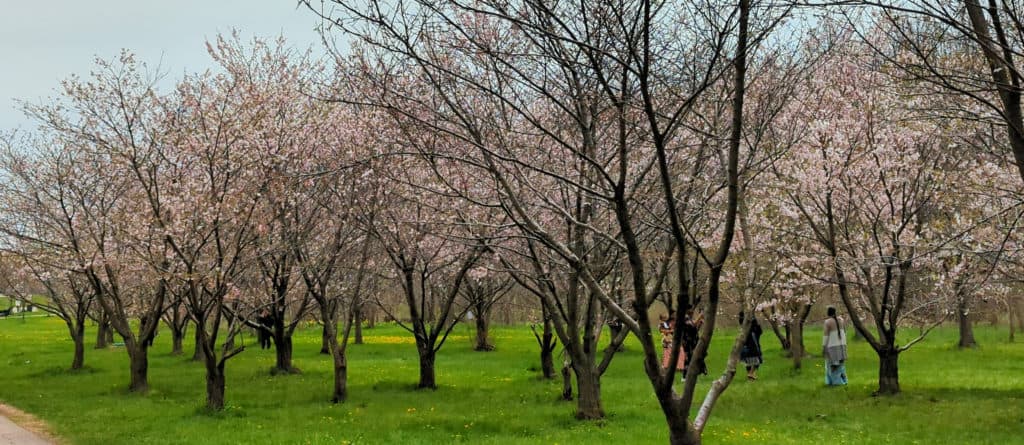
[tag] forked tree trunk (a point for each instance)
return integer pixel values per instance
(888, 372)
(547, 359)
(283, 354)
(104, 333)
(681, 431)
(177, 341)
(588, 392)
(138, 365)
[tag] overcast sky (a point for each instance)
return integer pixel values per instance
(44, 42)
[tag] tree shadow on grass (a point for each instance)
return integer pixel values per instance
(58, 371)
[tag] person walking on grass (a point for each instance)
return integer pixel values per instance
(833, 348)
(667, 327)
(751, 352)
(691, 334)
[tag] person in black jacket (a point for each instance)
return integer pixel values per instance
(751, 353)
(691, 334)
(263, 334)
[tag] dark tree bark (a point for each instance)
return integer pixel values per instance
(483, 341)
(215, 385)
(178, 340)
(104, 332)
(547, 351)
(781, 332)
(566, 382)
(358, 323)
(282, 349)
(428, 378)
(796, 345)
(1012, 323)
(888, 372)
(339, 357)
(138, 365)
(176, 319)
(340, 393)
(430, 321)
(588, 391)
(78, 337)
(197, 353)
(966, 325)
(325, 340)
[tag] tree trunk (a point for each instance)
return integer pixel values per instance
(588, 390)
(79, 359)
(1019, 310)
(966, 326)
(283, 354)
(214, 386)
(325, 341)
(138, 364)
(104, 334)
(340, 376)
(358, 320)
(198, 354)
(566, 382)
(547, 359)
(888, 372)
(371, 318)
(547, 350)
(427, 378)
(681, 431)
(796, 344)
(783, 338)
(483, 342)
(1012, 312)
(178, 339)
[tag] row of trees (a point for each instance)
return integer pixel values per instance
(603, 157)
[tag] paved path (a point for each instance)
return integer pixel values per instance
(12, 434)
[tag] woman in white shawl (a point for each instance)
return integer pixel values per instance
(833, 348)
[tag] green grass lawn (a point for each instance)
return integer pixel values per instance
(950, 396)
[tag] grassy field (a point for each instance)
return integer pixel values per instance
(950, 396)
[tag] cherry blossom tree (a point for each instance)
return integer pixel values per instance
(582, 118)
(115, 111)
(969, 49)
(39, 213)
(870, 184)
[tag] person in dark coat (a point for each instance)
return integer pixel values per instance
(264, 320)
(691, 334)
(751, 352)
